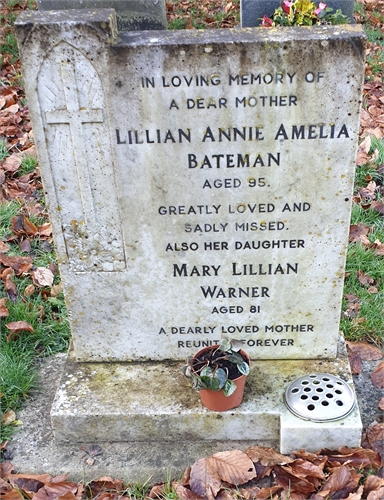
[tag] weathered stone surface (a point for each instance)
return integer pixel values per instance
(252, 11)
(131, 14)
(34, 449)
(149, 401)
(199, 183)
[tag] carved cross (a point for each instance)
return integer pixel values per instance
(76, 117)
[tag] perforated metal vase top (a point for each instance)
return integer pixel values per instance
(319, 397)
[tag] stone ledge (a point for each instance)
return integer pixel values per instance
(144, 402)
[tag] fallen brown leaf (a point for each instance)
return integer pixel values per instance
(203, 481)
(29, 290)
(376, 495)
(381, 404)
(13, 494)
(372, 483)
(374, 435)
(269, 493)
(379, 247)
(377, 376)
(361, 458)
(227, 494)
(185, 477)
(8, 417)
(106, 495)
(343, 481)
(355, 363)
(351, 297)
(10, 286)
(29, 482)
(368, 191)
(315, 458)
(358, 230)
(308, 470)
(17, 327)
(4, 486)
(262, 470)
(6, 469)
(105, 483)
(365, 145)
(285, 478)
(249, 492)
(157, 491)
(42, 277)
(357, 495)
(184, 493)
(3, 308)
(45, 230)
(12, 163)
(234, 467)
(25, 245)
(3, 247)
(364, 278)
(56, 289)
(21, 225)
(367, 352)
(56, 490)
(352, 311)
(267, 456)
(20, 264)
(378, 206)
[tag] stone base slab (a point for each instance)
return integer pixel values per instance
(151, 401)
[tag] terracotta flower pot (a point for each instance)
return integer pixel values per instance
(216, 400)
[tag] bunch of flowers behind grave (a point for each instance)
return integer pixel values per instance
(304, 13)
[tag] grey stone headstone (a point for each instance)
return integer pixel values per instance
(252, 11)
(199, 182)
(132, 15)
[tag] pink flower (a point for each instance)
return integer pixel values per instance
(267, 22)
(286, 6)
(321, 7)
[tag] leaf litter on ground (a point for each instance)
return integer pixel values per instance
(228, 476)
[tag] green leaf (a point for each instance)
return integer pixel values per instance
(206, 372)
(229, 388)
(235, 357)
(211, 383)
(243, 368)
(225, 344)
(221, 376)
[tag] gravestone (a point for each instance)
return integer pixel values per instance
(199, 184)
(133, 15)
(253, 11)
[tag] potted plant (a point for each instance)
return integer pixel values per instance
(304, 13)
(219, 373)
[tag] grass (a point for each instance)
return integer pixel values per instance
(9, 46)
(28, 165)
(368, 324)
(18, 356)
(7, 211)
(372, 21)
(139, 490)
(17, 378)
(45, 313)
(3, 149)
